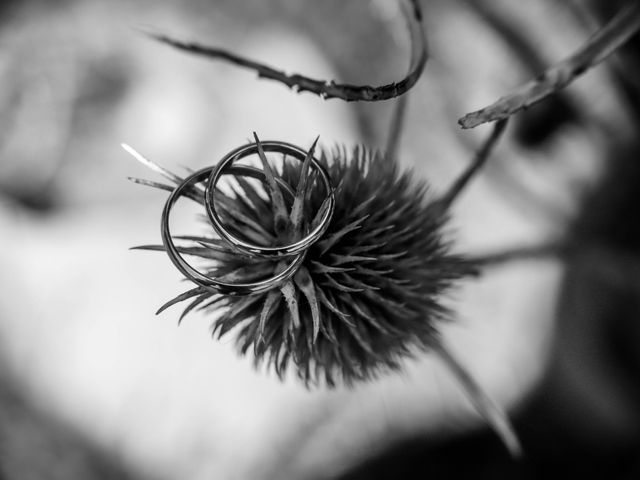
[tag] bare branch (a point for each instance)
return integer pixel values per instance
(323, 88)
(561, 249)
(602, 44)
(618, 267)
(478, 161)
(494, 415)
(396, 127)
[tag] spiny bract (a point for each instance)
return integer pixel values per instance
(370, 290)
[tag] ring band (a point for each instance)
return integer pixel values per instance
(212, 174)
(259, 250)
(204, 280)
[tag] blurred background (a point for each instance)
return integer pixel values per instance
(93, 385)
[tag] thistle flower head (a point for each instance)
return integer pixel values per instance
(367, 294)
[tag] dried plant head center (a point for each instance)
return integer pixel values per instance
(335, 267)
(341, 277)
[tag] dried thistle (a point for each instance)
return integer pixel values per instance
(366, 295)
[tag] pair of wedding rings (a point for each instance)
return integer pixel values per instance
(209, 178)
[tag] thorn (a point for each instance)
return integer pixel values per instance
(289, 293)
(281, 217)
(270, 301)
(303, 280)
(151, 165)
(301, 191)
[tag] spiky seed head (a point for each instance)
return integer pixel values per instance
(370, 291)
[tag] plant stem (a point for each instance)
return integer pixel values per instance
(485, 406)
(602, 44)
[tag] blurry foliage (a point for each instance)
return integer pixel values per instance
(35, 446)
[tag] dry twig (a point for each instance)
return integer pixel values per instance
(602, 44)
(323, 88)
(479, 160)
(493, 414)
